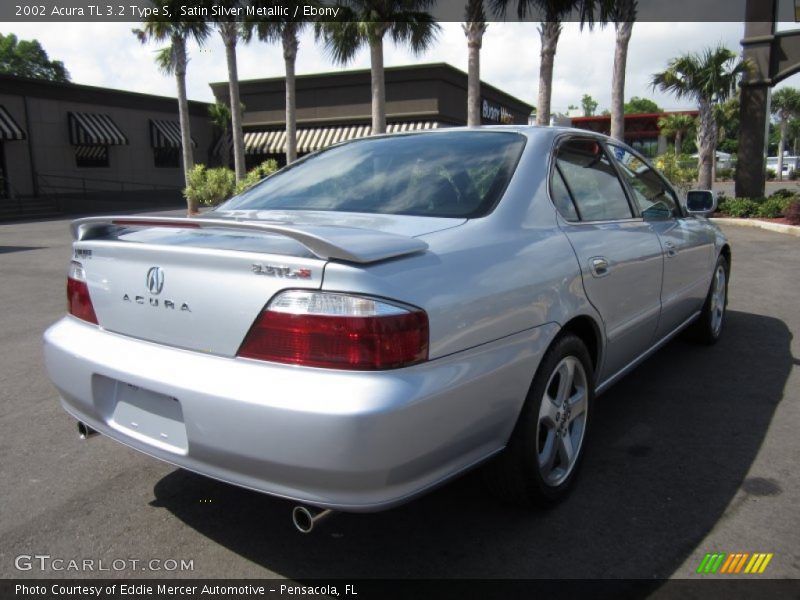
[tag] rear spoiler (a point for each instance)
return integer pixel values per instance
(332, 242)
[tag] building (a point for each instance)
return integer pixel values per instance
(68, 147)
(641, 130)
(334, 107)
(76, 148)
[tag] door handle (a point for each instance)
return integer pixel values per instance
(670, 249)
(599, 266)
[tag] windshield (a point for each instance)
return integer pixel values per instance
(450, 174)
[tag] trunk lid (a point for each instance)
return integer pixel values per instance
(199, 284)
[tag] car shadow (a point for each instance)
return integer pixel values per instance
(671, 445)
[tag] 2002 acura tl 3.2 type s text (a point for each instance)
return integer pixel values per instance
(387, 313)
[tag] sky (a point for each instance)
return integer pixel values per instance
(108, 55)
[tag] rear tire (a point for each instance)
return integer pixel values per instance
(707, 329)
(540, 463)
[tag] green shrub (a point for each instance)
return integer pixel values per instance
(739, 207)
(682, 173)
(209, 187)
(782, 193)
(792, 176)
(256, 174)
(792, 212)
(772, 208)
(725, 173)
(771, 174)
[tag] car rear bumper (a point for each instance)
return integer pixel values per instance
(357, 441)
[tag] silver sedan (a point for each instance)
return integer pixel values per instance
(388, 313)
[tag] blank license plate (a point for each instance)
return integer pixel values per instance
(151, 417)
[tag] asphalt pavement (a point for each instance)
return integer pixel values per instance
(695, 452)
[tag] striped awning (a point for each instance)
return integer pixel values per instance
(9, 130)
(93, 129)
(316, 138)
(166, 134)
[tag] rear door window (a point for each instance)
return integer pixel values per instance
(592, 182)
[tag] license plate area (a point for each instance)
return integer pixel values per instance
(154, 418)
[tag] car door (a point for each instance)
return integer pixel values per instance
(619, 254)
(687, 245)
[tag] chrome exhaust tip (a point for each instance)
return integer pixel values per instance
(305, 518)
(84, 431)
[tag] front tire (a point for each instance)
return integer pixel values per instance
(708, 327)
(540, 463)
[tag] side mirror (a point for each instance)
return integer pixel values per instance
(701, 202)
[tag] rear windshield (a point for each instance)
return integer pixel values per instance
(449, 174)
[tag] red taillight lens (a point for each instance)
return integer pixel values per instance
(337, 331)
(79, 303)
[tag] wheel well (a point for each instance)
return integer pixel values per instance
(726, 252)
(586, 329)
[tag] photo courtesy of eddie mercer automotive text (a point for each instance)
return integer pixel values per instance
(388, 313)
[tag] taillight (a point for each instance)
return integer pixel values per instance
(337, 331)
(79, 303)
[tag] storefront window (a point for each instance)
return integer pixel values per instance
(91, 156)
(166, 158)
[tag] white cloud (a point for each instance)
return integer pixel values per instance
(107, 54)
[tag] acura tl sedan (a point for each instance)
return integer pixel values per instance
(385, 314)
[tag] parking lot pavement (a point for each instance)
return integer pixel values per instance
(695, 452)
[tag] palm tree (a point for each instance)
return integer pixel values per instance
(220, 114)
(474, 28)
(230, 32)
(623, 14)
(553, 13)
(173, 60)
(366, 22)
(708, 77)
(677, 125)
(785, 106)
(287, 32)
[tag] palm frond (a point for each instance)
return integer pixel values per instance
(417, 29)
(166, 60)
(342, 39)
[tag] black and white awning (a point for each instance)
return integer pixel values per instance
(93, 129)
(166, 134)
(9, 130)
(316, 138)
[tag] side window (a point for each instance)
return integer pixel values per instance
(561, 197)
(592, 181)
(654, 198)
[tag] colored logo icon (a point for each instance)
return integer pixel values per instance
(734, 563)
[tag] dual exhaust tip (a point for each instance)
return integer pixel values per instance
(304, 518)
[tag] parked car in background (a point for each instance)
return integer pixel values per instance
(388, 313)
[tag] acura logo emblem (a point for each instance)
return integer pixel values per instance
(155, 280)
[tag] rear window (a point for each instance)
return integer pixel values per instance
(457, 174)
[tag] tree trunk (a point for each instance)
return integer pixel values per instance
(474, 31)
(226, 149)
(230, 35)
(290, 45)
(678, 142)
(179, 45)
(781, 147)
(549, 31)
(624, 31)
(378, 86)
(706, 144)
